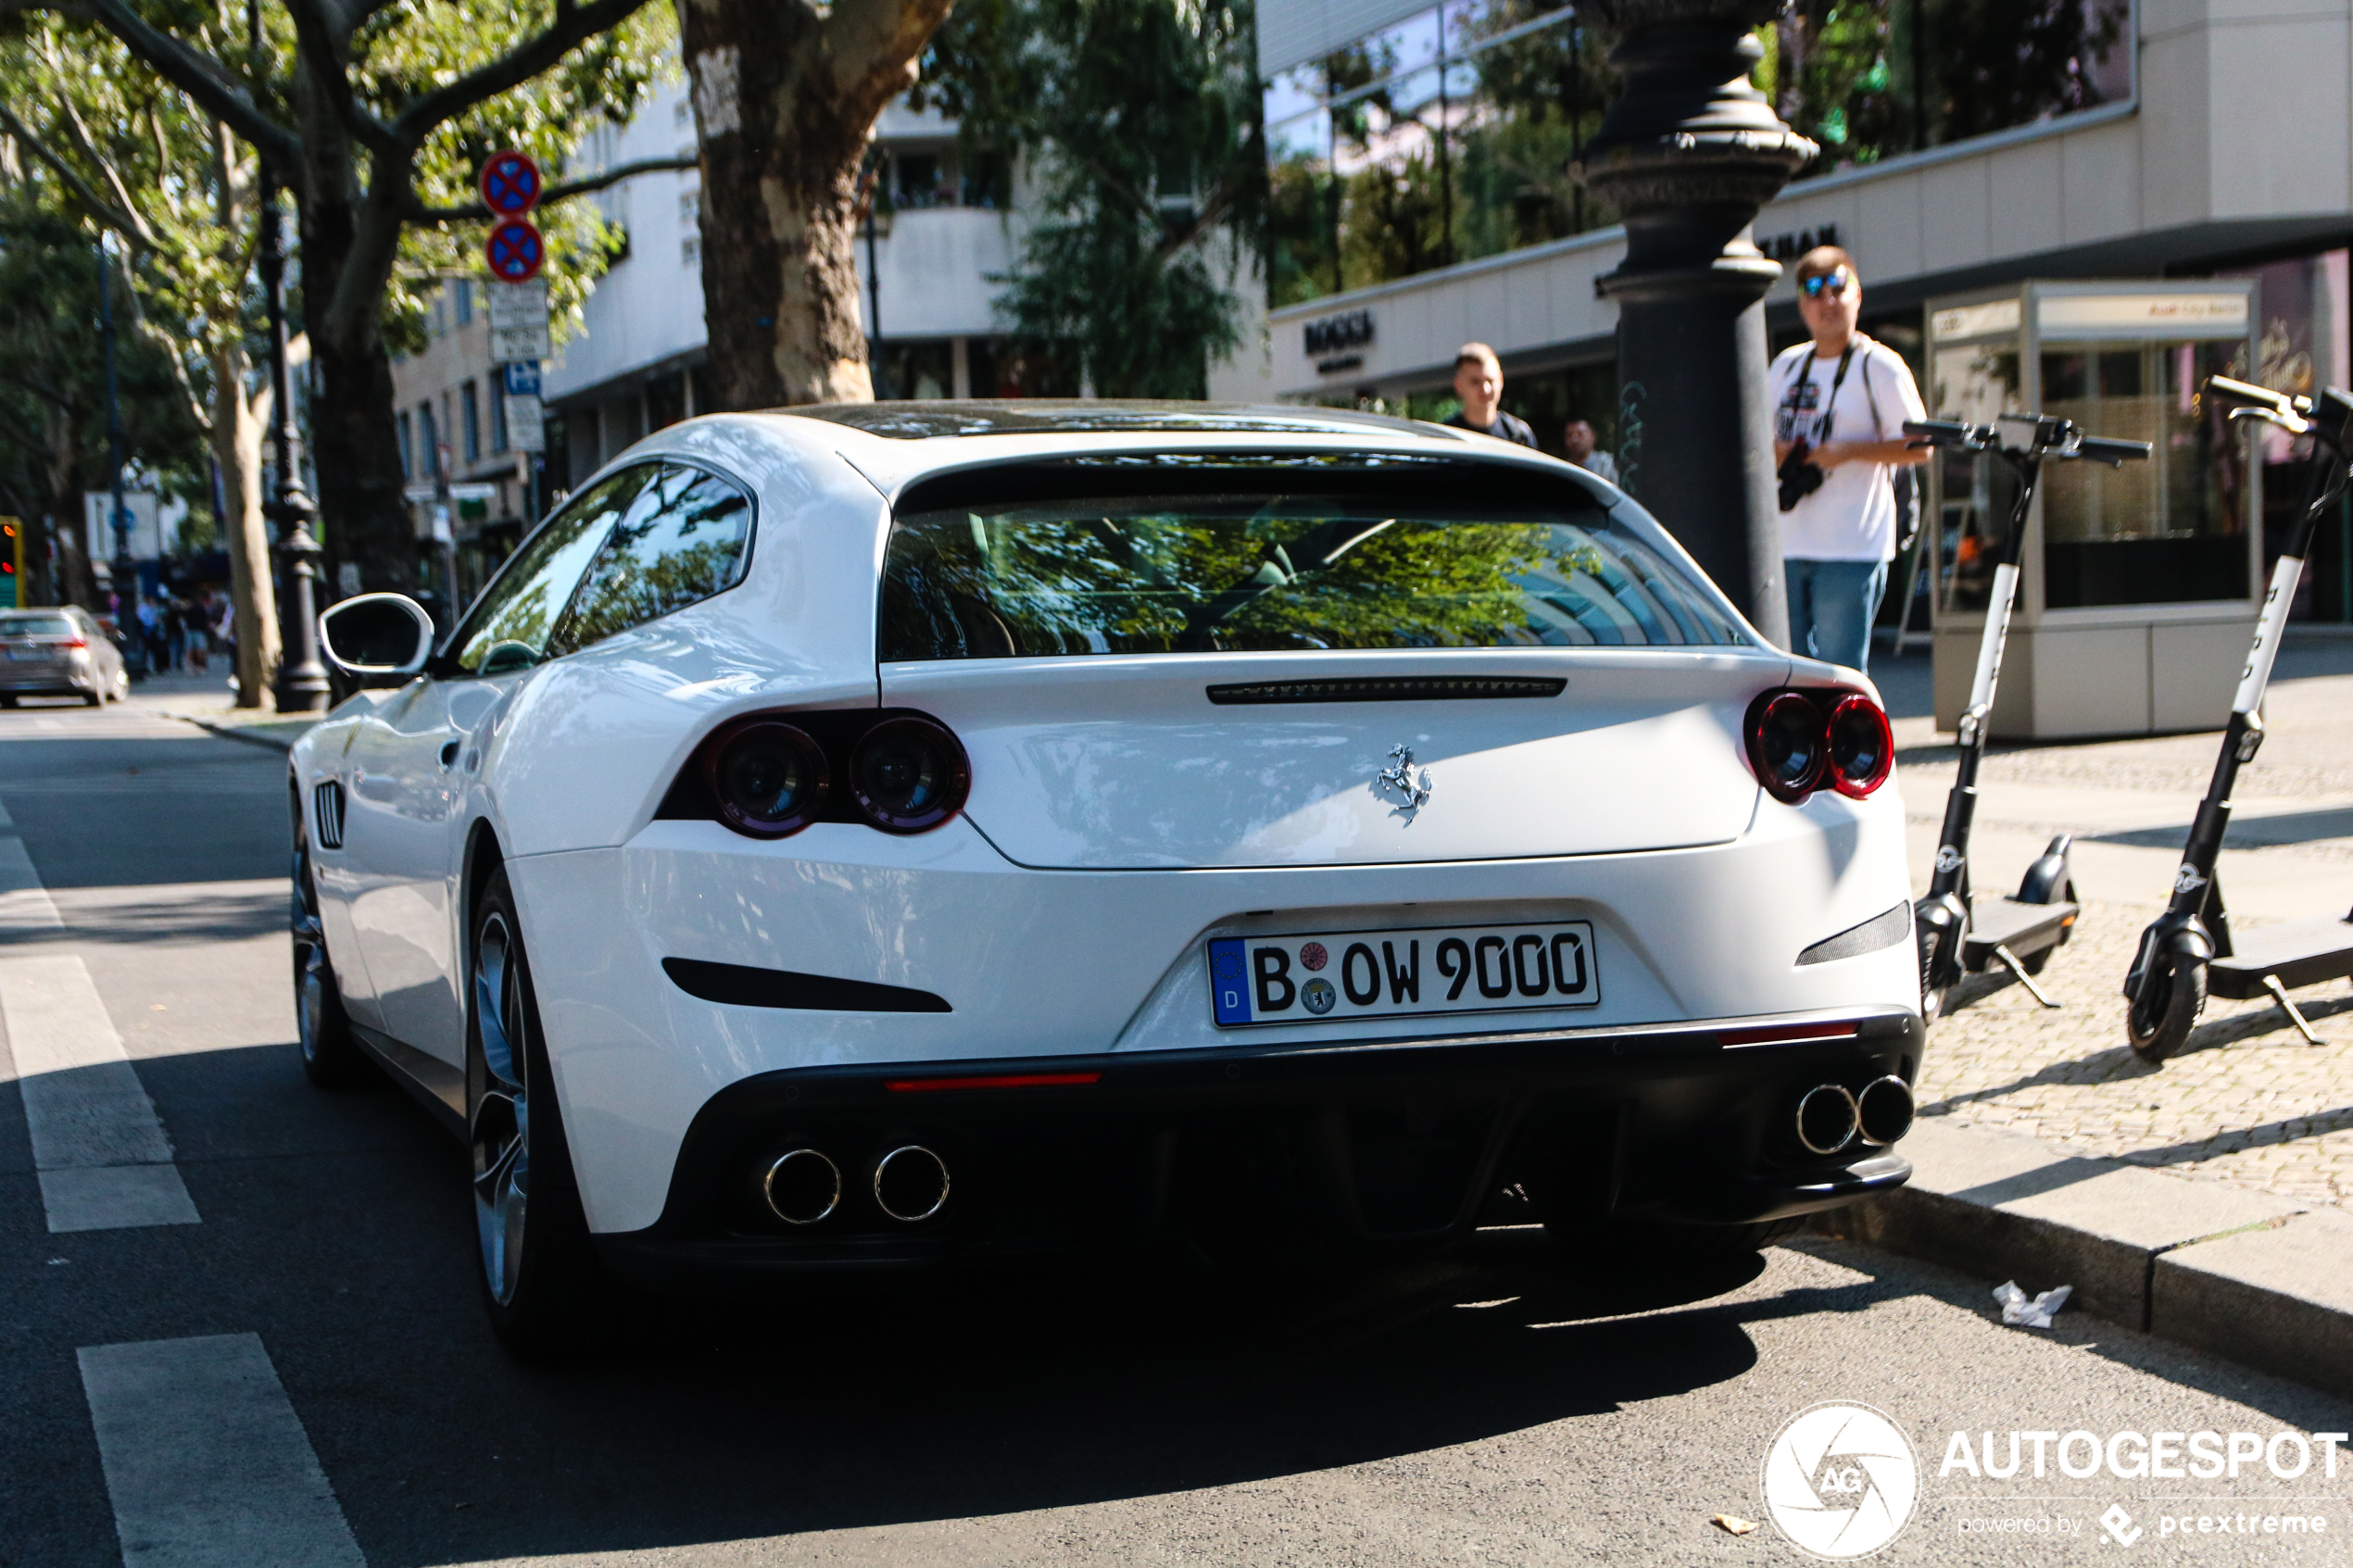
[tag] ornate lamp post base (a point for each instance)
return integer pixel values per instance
(1688, 155)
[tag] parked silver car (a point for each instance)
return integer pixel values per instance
(59, 653)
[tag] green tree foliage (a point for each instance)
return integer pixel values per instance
(1424, 168)
(1140, 120)
(376, 117)
(1870, 78)
(53, 428)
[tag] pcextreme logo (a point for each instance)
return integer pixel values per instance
(1841, 1480)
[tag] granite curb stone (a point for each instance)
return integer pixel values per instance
(2256, 1278)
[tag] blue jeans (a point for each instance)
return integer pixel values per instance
(1832, 606)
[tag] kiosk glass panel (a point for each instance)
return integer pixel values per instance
(2169, 530)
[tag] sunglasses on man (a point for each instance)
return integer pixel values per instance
(1833, 282)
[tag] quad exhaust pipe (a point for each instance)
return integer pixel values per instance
(803, 1186)
(1830, 1116)
(911, 1183)
(1883, 1110)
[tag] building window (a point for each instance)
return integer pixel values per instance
(429, 457)
(408, 448)
(497, 417)
(465, 301)
(690, 228)
(1445, 138)
(471, 401)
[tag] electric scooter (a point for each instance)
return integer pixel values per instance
(2188, 952)
(1959, 932)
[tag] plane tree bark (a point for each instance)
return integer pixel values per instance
(785, 93)
(347, 135)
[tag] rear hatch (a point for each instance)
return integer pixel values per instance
(1269, 666)
(36, 643)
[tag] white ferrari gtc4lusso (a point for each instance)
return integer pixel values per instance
(864, 838)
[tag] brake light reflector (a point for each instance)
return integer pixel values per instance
(908, 775)
(770, 778)
(994, 1081)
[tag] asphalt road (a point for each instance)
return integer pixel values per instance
(1509, 1406)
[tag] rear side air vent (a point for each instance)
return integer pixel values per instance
(326, 801)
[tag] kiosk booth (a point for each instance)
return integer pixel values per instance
(2139, 587)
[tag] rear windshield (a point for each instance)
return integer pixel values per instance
(35, 626)
(1266, 573)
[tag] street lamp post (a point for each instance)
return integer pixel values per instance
(125, 571)
(302, 680)
(1687, 155)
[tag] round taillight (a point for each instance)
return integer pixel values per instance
(770, 778)
(1788, 747)
(908, 775)
(1862, 746)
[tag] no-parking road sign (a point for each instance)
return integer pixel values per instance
(510, 184)
(515, 251)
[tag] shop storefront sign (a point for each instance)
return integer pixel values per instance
(1331, 341)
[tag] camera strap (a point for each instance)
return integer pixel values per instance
(1829, 403)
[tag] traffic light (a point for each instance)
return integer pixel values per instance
(11, 565)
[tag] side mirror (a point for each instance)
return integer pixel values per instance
(376, 639)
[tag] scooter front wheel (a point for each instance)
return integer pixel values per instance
(2160, 1020)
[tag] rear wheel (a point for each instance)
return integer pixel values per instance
(540, 1278)
(94, 696)
(2033, 962)
(331, 1057)
(2160, 1020)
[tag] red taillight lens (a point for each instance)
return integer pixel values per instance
(1802, 739)
(769, 778)
(1862, 748)
(73, 643)
(908, 775)
(1788, 744)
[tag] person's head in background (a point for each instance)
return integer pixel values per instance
(1579, 439)
(1478, 381)
(1830, 297)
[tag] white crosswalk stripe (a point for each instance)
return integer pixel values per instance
(207, 1464)
(25, 905)
(104, 1160)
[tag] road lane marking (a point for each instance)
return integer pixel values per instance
(207, 1464)
(99, 1148)
(25, 905)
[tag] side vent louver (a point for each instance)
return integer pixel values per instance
(327, 807)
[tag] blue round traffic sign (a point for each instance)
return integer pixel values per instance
(515, 251)
(510, 184)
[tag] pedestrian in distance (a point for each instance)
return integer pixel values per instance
(1840, 400)
(1478, 381)
(1583, 444)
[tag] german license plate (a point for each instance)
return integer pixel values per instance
(1331, 977)
(32, 653)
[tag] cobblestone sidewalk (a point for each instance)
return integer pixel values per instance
(2246, 1101)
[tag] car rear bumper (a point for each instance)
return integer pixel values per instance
(1278, 1151)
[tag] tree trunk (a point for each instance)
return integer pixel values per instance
(785, 96)
(237, 423)
(73, 581)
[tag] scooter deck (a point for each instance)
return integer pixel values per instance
(2303, 952)
(1999, 921)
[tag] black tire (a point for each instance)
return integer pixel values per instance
(331, 1056)
(2158, 1021)
(541, 1283)
(8, 702)
(94, 698)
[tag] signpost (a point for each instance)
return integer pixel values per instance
(512, 187)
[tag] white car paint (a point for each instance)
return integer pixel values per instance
(1109, 835)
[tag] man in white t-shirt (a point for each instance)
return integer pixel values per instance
(1839, 405)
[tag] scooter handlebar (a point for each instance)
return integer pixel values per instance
(2103, 449)
(2245, 394)
(1941, 432)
